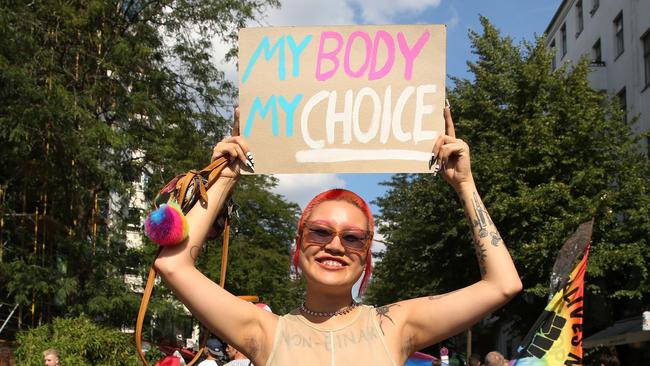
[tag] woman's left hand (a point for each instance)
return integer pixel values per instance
(452, 155)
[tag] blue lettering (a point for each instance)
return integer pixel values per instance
(268, 53)
(296, 51)
(289, 109)
(263, 110)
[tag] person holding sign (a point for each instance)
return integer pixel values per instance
(333, 252)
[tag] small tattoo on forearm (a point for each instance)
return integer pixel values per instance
(482, 216)
(495, 238)
(480, 255)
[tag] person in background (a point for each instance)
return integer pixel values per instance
(494, 358)
(50, 357)
(474, 360)
(213, 353)
(237, 358)
(608, 359)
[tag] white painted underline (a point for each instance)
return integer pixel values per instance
(338, 155)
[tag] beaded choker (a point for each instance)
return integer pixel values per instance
(345, 310)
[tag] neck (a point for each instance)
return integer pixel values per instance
(327, 303)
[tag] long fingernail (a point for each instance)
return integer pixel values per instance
(433, 158)
(436, 169)
(249, 155)
(447, 103)
(250, 166)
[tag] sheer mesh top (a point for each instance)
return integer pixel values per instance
(301, 342)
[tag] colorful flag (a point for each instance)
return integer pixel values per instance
(557, 337)
(420, 359)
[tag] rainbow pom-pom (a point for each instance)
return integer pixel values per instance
(166, 225)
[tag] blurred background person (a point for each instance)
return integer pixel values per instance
(214, 353)
(50, 357)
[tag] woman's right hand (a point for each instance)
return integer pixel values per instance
(235, 148)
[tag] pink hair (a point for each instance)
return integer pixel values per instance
(337, 195)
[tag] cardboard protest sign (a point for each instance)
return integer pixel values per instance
(348, 99)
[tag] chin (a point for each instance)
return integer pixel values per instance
(342, 279)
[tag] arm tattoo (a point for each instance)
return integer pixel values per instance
(482, 216)
(483, 220)
(480, 255)
(496, 238)
(382, 312)
(434, 297)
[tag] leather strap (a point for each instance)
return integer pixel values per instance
(181, 184)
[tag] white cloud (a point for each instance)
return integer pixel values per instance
(219, 50)
(384, 11)
(455, 18)
(300, 188)
(310, 12)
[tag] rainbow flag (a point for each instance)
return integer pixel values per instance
(420, 359)
(557, 337)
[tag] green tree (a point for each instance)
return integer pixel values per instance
(264, 228)
(548, 153)
(78, 341)
(94, 93)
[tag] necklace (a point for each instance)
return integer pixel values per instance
(345, 310)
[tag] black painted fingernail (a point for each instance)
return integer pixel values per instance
(433, 157)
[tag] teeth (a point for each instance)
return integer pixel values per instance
(332, 263)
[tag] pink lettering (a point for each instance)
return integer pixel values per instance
(410, 53)
(331, 55)
(367, 54)
(375, 74)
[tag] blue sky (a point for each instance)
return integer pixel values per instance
(519, 19)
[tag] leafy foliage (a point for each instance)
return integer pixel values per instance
(548, 153)
(78, 341)
(102, 102)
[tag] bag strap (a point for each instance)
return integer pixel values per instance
(182, 184)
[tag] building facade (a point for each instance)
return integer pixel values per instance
(615, 36)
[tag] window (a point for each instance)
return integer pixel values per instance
(553, 51)
(618, 32)
(594, 6)
(563, 38)
(645, 39)
(596, 53)
(622, 100)
(579, 20)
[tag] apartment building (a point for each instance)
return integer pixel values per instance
(615, 36)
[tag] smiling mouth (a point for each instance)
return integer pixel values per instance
(331, 263)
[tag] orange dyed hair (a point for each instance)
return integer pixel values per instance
(337, 195)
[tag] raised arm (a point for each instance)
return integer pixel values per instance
(421, 322)
(238, 322)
